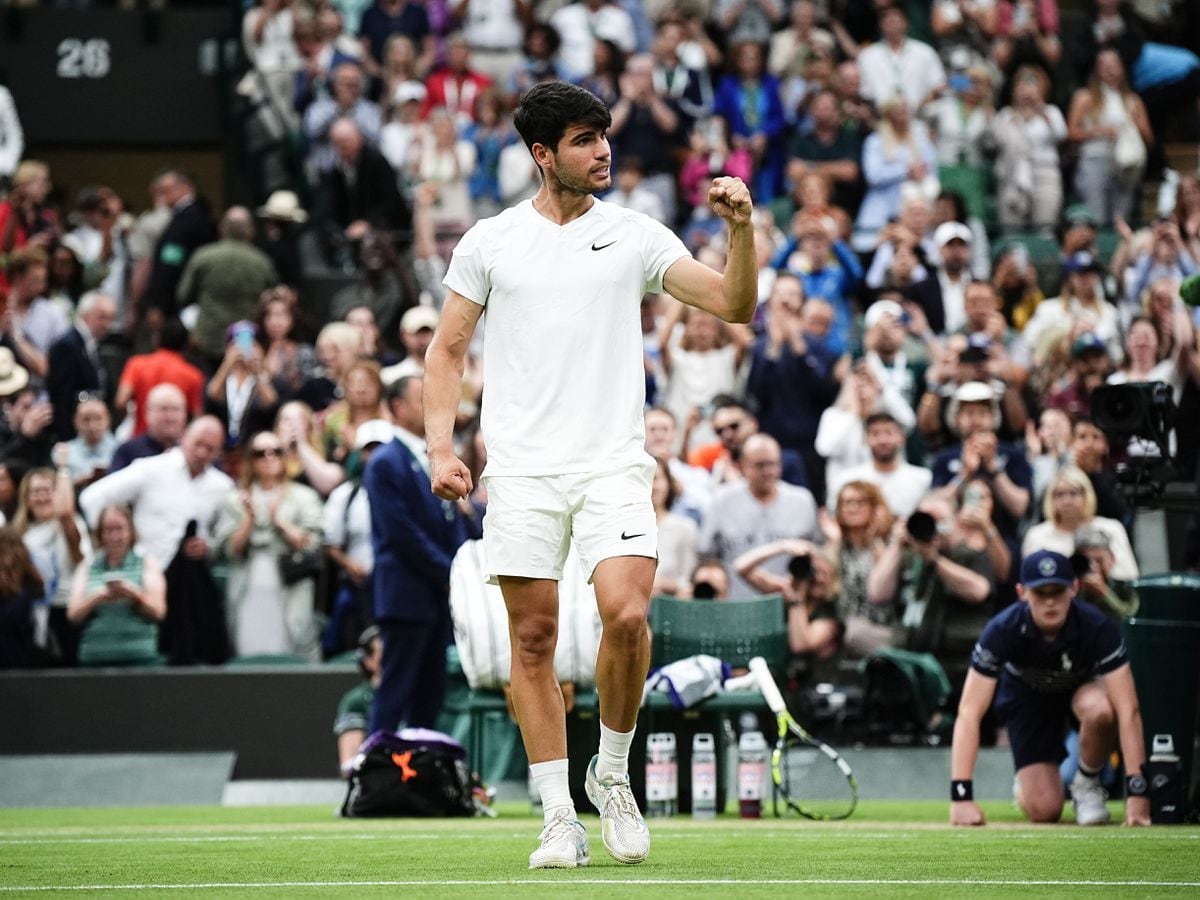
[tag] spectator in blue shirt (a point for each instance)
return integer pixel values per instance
(826, 267)
(974, 414)
(748, 98)
(794, 373)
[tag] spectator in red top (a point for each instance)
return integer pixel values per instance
(455, 87)
(164, 365)
(24, 216)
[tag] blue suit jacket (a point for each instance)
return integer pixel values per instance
(414, 534)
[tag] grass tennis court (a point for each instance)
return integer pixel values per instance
(894, 849)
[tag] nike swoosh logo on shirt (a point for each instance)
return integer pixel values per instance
(630, 537)
(602, 246)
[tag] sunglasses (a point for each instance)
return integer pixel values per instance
(264, 452)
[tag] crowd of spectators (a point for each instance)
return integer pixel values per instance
(182, 444)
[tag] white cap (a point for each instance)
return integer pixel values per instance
(949, 231)
(881, 308)
(407, 91)
(417, 318)
(373, 431)
(974, 392)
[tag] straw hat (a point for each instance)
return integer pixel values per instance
(12, 376)
(284, 206)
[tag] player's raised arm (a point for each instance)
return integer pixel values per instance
(734, 295)
(1118, 684)
(444, 361)
(976, 698)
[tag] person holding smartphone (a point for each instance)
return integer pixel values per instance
(118, 598)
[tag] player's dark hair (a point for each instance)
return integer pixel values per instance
(547, 110)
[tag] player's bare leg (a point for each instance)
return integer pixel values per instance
(623, 586)
(533, 633)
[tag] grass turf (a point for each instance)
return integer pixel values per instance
(894, 849)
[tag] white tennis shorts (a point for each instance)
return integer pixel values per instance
(530, 520)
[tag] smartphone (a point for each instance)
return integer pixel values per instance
(243, 339)
(1020, 257)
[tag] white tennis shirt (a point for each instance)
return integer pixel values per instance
(564, 380)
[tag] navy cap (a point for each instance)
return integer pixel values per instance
(1046, 567)
(1087, 342)
(1081, 261)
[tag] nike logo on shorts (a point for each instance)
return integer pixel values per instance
(602, 246)
(630, 537)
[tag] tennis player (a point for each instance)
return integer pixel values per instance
(561, 278)
(1056, 660)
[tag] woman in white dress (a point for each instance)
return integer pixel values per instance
(1103, 109)
(270, 518)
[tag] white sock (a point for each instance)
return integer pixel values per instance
(550, 779)
(614, 751)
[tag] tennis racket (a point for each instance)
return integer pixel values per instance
(810, 776)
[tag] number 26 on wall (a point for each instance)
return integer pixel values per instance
(83, 58)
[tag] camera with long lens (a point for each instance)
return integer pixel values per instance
(800, 567)
(1144, 410)
(921, 527)
(1142, 413)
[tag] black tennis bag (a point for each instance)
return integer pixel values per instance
(416, 772)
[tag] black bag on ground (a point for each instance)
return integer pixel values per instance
(416, 772)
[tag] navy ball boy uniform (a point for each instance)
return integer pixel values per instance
(1038, 677)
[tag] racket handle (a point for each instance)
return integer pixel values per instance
(766, 684)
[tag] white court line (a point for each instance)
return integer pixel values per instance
(609, 882)
(798, 835)
(51, 840)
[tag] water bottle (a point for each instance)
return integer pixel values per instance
(752, 771)
(1164, 775)
(704, 777)
(662, 775)
(730, 742)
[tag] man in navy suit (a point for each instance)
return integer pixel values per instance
(75, 364)
(415, 536)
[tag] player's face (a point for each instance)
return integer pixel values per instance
(581, 163)
(1048, 605)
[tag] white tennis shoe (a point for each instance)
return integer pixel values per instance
(622, 827)
(564, 844)
(1088, 798)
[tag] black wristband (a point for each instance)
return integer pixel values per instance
(1135, 785)
(962, 789)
